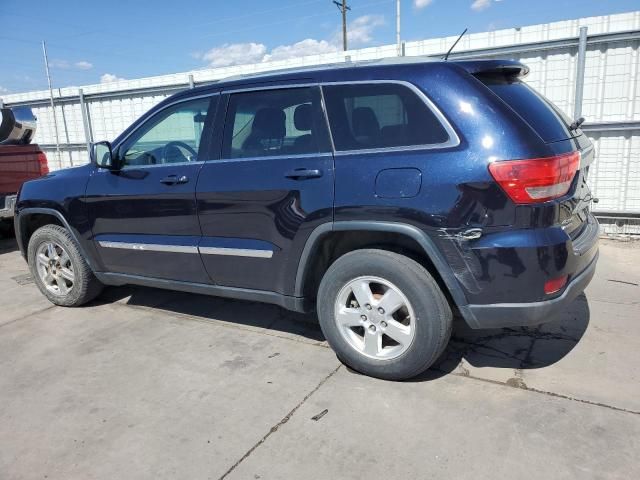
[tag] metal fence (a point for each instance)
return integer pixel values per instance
(587, 66)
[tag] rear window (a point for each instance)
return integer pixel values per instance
(544, 117)
(380, 115)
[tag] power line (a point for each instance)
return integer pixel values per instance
(342, 6)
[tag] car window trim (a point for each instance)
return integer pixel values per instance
(256, 88)
(275, 157)
(150, 117)
(452, 142)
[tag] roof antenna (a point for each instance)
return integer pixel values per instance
(446, 57)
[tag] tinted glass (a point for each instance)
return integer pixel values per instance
(274, 122)
(536, 110)
(364, 116)
(171, 136)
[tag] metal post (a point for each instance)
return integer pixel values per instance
(580, 69)
(53, 107)
(66, 129)
(404, 49)
(398, 44)
(86, 122)
(191, 82)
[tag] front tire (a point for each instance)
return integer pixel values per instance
(59, 269)
(383, 314)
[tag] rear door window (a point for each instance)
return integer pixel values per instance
(274, 123)
(544, 117)
(380, 115)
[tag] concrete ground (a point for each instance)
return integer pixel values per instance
(152, 384)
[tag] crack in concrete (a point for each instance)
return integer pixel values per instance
(545, 392)
(284, 420)
(461, 347)
(458, 352)
(518, 373)
(11, 322)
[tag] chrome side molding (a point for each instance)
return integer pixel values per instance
(154, 247)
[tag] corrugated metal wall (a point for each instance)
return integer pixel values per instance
(610, 99)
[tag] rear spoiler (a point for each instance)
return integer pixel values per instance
(507, 68)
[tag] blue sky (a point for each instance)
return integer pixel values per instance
(93, 41)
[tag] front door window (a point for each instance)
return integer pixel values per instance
(172, 137)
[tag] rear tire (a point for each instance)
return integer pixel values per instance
(59, 269)
(395, 343)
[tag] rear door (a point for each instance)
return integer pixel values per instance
(144, 216)
(272, 185)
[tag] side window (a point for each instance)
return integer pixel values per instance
(380, 115)
(171, 136)
(274, 122)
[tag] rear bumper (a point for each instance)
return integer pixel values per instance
(7, 206)
(500, 315)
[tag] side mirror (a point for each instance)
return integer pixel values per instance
(102, 156)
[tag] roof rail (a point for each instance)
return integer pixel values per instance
(329, 66)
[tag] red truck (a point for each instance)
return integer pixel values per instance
(19, 159)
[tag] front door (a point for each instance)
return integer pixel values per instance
(144, 216)
(272, 185)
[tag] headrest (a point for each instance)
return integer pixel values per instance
(303, 117)
(365, 122)
(270, 123)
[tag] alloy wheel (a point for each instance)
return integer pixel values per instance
(375, 317)
(54, 268)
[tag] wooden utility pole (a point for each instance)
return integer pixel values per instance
(398, 41)
(343, 8)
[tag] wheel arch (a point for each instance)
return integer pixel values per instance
(28, 220)
(406, 238)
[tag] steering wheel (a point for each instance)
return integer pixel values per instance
(178, 144)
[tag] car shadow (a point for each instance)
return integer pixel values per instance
(8, 244)
(518, 348)
(507, 348)
(216, 309)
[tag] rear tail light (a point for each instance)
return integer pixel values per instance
(536, 180)
(43, 163)
(555, 285)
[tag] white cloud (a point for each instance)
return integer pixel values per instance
(66, 65)
(3, 90)
(300, 49)
(478, 5)
(56, 63)
(109, 77)
(235, 54)
(83, 65)
(422, 3)
(360, 32)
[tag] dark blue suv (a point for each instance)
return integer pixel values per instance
(387, 196)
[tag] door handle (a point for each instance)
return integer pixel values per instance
(174, 180)
(303, 173)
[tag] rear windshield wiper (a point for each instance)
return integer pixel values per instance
(576, 124)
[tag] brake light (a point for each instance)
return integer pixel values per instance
(43, 164)
(537, 179)
(555, 285)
